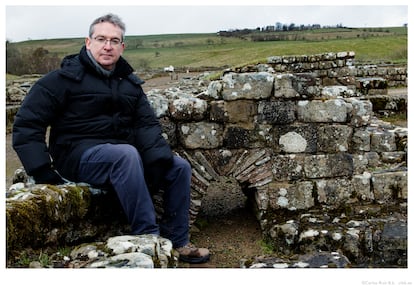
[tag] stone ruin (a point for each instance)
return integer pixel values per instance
(296, 135)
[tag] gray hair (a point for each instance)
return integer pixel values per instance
(109, 18)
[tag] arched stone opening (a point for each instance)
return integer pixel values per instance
(223, 179)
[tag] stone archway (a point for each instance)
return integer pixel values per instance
(244, 169)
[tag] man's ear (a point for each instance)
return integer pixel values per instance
(123, 47)
(87, 42)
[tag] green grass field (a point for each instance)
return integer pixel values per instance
(200, 51)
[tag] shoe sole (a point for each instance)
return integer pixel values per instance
(195, 260)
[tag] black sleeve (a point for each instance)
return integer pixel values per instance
(30, 125)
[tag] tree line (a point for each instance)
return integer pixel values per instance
(278, 27)
(38, 61)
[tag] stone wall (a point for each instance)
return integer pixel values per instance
(303, 144)
(299, 140)
(340, 68)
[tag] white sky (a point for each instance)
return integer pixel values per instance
(34, 21)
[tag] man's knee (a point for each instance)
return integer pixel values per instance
(182, 163)
(124, 151)
(182, 166)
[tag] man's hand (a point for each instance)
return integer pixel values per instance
(46, 175)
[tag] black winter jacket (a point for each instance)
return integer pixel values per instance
(83, 109)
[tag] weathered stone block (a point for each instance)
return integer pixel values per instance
(299, 85)
(361, 185)
(334, 192)
(127, 251)
(295, 196)
(360, 162)
(334, 110)
(247, 86)
(236, 137)
(361, 141)
(215, 89)
(39, 215)
(335, 91)
(218, 111)
(276, 112)
(284, 86)
(361, 112)
(296, 138)
(201, 135)
(373, 159)
(383, 141)
(389, 186)
(393, 245)
(159, 104)
(288, 167)
(328, 166)
(334, 138)
(188, 108)
(292, 142)
(240, 111)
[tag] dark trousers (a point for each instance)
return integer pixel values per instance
(121, 166)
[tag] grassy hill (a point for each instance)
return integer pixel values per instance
(200, 51)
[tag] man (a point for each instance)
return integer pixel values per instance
(104, 132)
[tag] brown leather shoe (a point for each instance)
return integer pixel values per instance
(192, 254)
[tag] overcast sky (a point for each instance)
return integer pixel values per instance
(25, 21)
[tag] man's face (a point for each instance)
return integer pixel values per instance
(106, 44)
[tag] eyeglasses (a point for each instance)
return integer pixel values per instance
(113, 42)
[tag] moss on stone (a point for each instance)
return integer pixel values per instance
(29, 221)
(24, 223)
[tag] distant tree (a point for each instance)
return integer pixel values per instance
(14, 60)
(42, 62)
(278, 26)
(37, 61)
(138, 43)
